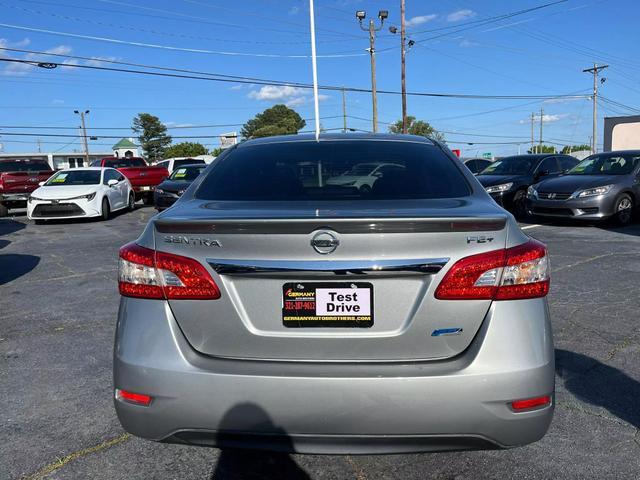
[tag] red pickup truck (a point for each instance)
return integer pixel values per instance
(143, 177)
(18, 178)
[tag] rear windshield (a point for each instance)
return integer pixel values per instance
(186, 174)
(24, 166)
(75, 177)
(510, 166)
(125, 162)
(186, 161)
(341, 170)
(606, 164)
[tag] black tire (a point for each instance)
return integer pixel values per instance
(106, 211)
(4, 211)
(365, 189)
(132, 202)
(148, 199)
(624, 209)
(518, 204)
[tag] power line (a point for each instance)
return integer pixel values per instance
(50, 65)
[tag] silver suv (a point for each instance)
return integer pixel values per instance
(272, 309)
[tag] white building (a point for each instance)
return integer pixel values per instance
(126, 148)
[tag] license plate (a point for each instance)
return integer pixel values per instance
(144, 189)
(316, 304)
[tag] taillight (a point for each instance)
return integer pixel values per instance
(135, 398)
(531, 403)
(145, 273)
(508, 274)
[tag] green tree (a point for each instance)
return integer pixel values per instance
(277, 120)
(216, 151)
(152, 134)
(185, 149)
(575, 148)
(542, 149)
(417, 127)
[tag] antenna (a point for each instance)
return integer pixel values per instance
(315, 68)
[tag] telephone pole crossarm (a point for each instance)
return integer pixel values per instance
(594, 71)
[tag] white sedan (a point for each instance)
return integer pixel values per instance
(81, 193)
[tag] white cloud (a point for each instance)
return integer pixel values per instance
(296, 102)
(23, 68)
(235, 87)
(4, 43)
(294, 10)
(419, 20)
(99, 61)
(460, 15)
(468, 43)
(273, 92)
(57, 101)
(546, 118)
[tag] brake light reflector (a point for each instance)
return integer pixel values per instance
(531, 403)
(509, 274)
(135, 398)
(145, 273)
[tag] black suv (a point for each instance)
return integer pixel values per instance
(507, 179)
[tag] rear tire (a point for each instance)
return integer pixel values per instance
(624, 210)
(4, 211)
(518, 204)
(106, 211)
(132, 202)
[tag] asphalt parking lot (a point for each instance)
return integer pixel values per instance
(58, 304)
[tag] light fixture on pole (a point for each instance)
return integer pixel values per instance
(372, 29)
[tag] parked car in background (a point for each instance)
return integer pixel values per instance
(173, 163)
(409, 318)
(173, 187)
(81, 193)
(363, 176)
(143, 177)
(508, 179)
(18, 178)
(605, 185)
(476, 165)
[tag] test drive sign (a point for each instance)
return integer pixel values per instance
(339, 304)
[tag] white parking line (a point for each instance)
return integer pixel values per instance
(527, 227)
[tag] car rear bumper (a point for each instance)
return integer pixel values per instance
(590, 208)
(337, 408)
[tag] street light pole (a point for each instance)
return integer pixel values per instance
(84, 135)
(595, 70)
(403, 76)
(372, 29)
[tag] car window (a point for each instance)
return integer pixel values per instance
(549, 165)
(118, 176)
(124, 162)
(338, 170)
(24, 166)
(482, 164)
(606, 164)
(186, 174)
(567, 163)
(510, 166)
(472, 165)
(186, 161)
(74, 177)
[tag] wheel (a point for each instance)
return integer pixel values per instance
(4, 211)
(365, 189)
(106, 211)
(518, 204)
(148, 199)
(132, 202)
(624, 209)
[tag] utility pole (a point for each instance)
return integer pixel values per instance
(541, 120)
(595, 70)
(403, 75)
(533, 119)
(39, 145)
(344, 111)
(84, 135)
(372, 29)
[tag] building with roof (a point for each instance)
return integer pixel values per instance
(126, 148)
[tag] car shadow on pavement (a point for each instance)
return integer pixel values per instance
(237, 464)
(599, 384)
(14, 265)
(8, 226)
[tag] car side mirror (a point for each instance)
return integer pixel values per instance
(41, 184)
(112, 182)
(378, 174)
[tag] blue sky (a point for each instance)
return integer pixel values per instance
(538, 53)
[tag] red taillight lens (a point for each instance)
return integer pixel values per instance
(509, 274)
(145, 273)
(135, 398)
(531, 403)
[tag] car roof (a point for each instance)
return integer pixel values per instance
(85, 169)
(198, 165)
(332, 137)
(621, 152)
